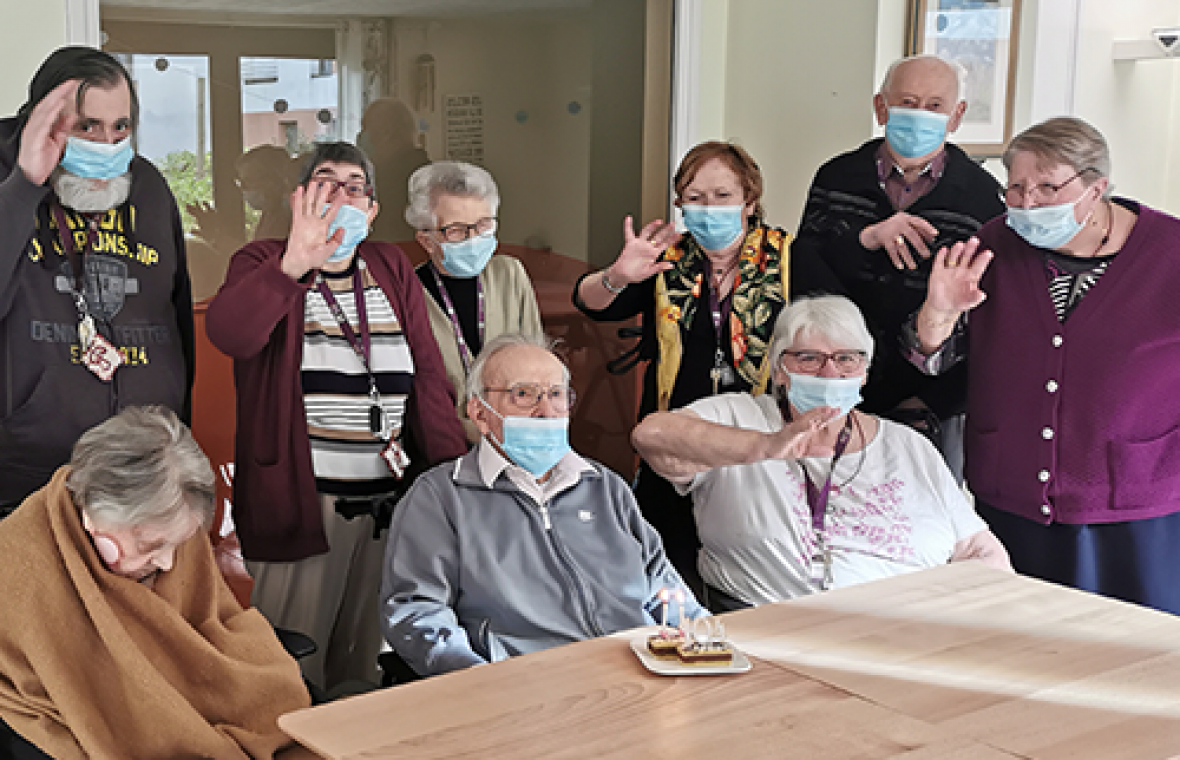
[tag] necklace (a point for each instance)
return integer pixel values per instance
(719, 276)
(1106, 232)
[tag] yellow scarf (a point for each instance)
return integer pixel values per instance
(759, 294)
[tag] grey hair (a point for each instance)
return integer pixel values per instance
(141, 467)
(1064, 140)
(450, 178)
(957, 68)
(475, 384)
(834, 317)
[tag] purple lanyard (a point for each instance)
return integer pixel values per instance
(817, 498)
(360, 347)
(465, 353)
(76, 258)
(719, 307)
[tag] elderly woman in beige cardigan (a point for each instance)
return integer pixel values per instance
(474, 295)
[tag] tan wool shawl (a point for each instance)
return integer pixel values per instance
(96, 665)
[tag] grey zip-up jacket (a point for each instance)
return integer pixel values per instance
(476, 574)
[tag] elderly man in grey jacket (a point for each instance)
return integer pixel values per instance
(521, 544)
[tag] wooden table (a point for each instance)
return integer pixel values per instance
(955, 663)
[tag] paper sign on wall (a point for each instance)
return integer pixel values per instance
(464, 120)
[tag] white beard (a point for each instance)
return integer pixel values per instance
(90, 195)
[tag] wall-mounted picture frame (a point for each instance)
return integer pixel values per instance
(981, 35)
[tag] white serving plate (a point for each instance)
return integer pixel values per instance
(739, 664)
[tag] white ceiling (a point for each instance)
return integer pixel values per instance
(354, 8)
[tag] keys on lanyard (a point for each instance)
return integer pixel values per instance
(821, 563)
(722, 373)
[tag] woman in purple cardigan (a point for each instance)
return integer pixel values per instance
(1073, 337)
(333, 359)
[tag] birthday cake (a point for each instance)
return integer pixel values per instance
(665, 643)
(711, 652)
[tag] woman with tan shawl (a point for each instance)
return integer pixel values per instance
(118, 636)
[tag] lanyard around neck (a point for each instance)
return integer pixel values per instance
(465, 352)
(817, 498)
(362, 346)
(75, 257)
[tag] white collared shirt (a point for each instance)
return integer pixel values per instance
(564, 475)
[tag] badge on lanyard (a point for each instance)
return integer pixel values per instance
(97, 353)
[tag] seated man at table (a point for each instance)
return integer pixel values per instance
(118, 636)
(521, 544)
(795, 491)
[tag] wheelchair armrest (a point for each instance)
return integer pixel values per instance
(298, 645)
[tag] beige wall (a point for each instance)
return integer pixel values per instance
(792, 82)
(538, 67)
(35, 29)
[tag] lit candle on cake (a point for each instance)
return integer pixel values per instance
(680, 607)
(664, 602)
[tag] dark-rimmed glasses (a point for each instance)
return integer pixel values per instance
(460, 231)
(811, 362)
(1041, 195)
(528, 395)
(352, 188)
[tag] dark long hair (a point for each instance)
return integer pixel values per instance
(93, 67)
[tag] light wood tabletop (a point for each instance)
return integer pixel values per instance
(956, 663)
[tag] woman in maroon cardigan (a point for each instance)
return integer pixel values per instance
(1073, 420)
(333, 359)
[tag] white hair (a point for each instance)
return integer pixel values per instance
(450, 178)
(141, 467)
(833, 317)
(957, 68)
(475, 383)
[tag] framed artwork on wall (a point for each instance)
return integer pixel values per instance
(981, 35)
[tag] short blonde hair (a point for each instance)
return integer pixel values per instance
(1064, 140)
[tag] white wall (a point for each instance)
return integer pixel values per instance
(35, 29)
(1135, 104)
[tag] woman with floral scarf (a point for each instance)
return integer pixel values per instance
(709, 300)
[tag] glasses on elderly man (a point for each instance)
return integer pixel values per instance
(528, 395)
(811, 362)
(460, 231)
(352, 188)
(1041, 195)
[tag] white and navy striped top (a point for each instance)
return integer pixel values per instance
(346, 456)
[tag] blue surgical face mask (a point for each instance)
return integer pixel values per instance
(96, 160)
(1046, 226)
(355, 224)
(915, 132)
(808, 392)
(468, 258)
(715, 228)
(534, 443)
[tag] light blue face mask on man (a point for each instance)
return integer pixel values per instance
(355, 224)
(809, 392)
(534, 443)
(1046, 226)
(915, 132)
(715, 228)
(468, 258)
(95, 160)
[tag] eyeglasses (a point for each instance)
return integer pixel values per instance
(811, 362)
(1041, 195)
(352, 188)
(528, 395)
(459, 231)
